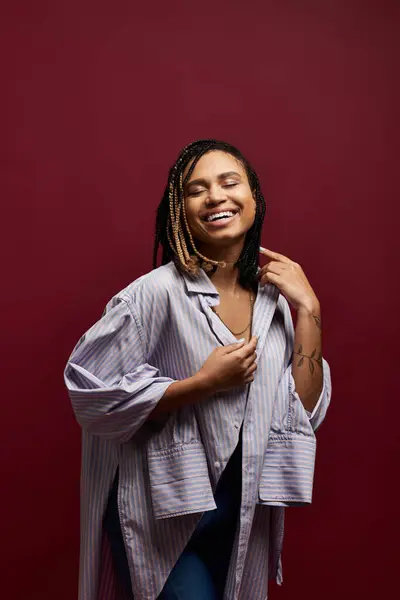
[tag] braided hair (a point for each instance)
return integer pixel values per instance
(172, 230)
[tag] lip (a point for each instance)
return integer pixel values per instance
(215, 211)
(220, 223)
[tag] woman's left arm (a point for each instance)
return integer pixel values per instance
(307, 356)
(307, 364)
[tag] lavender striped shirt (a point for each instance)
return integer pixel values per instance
(159, 329)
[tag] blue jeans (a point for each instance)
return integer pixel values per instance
(201, 570)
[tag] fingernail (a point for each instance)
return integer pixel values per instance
(240, 341)
(263, 249)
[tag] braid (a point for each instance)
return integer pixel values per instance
(172, 229)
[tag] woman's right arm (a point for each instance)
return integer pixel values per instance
(114, 391)
(111, 387)
(226, 367)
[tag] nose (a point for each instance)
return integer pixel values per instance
(216, 195)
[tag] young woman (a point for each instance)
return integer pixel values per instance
(198, 401)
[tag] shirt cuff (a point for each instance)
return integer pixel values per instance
(310, 415)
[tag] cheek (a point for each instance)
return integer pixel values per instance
(190, 215)
(250, 211)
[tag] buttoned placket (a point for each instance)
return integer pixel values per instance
(264, 309)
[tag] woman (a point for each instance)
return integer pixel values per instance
(197, 399)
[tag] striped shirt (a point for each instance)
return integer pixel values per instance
(159, 329)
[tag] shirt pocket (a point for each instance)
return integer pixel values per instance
(179, 480)
(288, 472)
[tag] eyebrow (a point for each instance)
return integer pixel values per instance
(220, 177)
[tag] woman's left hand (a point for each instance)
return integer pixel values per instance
(291, 280)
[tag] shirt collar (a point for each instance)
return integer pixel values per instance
(199, 284)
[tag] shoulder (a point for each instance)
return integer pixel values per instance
(161, 281)
(152, 289)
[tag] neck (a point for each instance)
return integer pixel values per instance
(225, 278)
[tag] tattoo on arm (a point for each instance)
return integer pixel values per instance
(311, 359)
(317, 321)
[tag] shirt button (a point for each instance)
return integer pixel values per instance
(217, 464)
(236, 425)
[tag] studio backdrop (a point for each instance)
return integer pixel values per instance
(97, 100)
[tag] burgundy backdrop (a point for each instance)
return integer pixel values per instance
(97, 99)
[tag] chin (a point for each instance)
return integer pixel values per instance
(222, 238)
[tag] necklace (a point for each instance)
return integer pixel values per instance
(251, 299)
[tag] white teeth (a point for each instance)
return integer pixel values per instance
(227, 213)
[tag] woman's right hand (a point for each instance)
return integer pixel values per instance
(226, 368)
(230, 366)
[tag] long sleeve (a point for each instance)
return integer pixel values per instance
(288, 470)
(318, 414)
(111, 387)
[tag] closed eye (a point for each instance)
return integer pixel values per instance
(225, 185)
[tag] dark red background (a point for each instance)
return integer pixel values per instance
(97, 99)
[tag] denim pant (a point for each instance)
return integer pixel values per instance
(201, 570)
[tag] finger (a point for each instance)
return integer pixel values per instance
(273, 267)
(265, 268)
(248, 349)
(270, 278)
(249, 361)
(250, 370)
(274, 255)
(254, 340)
(245, 353)
(249, 379)
(233, 347)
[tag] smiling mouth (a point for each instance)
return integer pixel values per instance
(221, 216)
